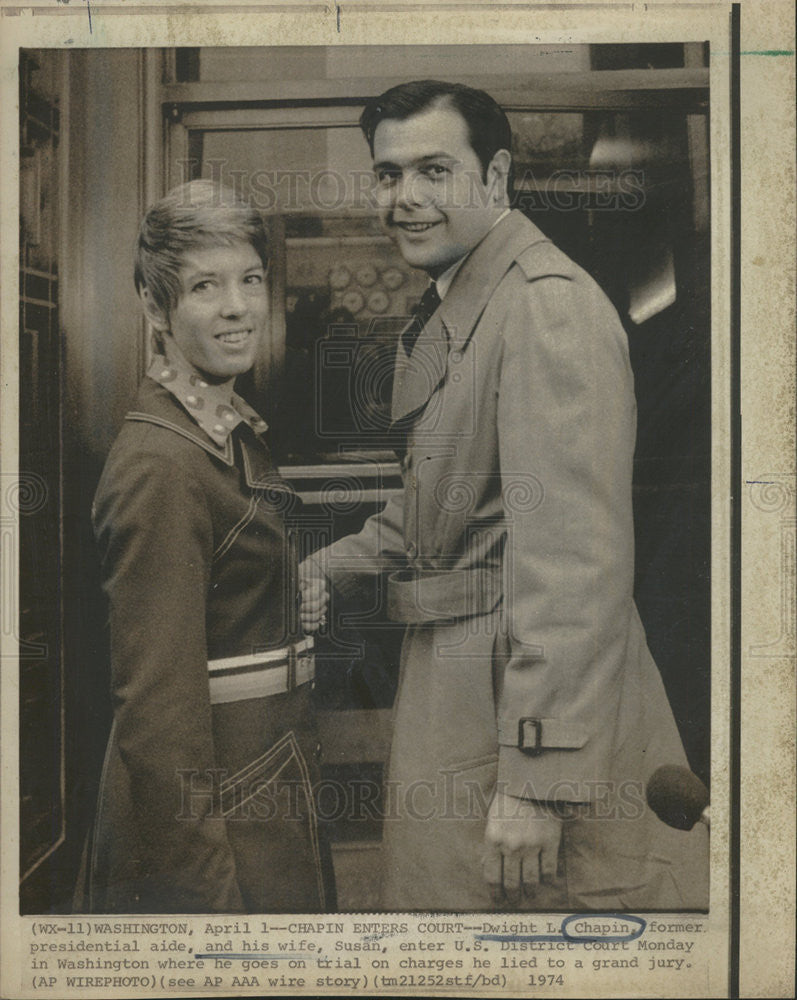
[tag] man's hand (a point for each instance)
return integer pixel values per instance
(314, 593)
(521, 847)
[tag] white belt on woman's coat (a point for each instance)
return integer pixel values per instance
(258, 675)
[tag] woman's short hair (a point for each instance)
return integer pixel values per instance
(193, 216)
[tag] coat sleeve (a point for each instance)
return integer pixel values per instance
(352, 563)
(154, 532)
(566, 424)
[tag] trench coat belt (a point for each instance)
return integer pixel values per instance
(533, 735)
(258, 675)
(415, 597)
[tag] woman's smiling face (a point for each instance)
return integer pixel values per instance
(220, 316)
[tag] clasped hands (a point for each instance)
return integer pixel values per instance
(314, 594)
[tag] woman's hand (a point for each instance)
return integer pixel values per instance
(314, 594)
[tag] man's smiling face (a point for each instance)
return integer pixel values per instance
(432, 195)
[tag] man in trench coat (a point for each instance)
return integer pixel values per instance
(529, 712)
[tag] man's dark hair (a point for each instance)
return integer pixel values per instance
(487, 124)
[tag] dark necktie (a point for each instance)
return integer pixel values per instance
(421, 315)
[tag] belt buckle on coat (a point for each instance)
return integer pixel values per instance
(536, 747)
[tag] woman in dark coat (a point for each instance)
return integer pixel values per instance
(206, 799)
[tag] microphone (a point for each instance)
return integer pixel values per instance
(678, 797)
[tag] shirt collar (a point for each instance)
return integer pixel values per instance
(446, 278)
(217, 410)
(444, 281)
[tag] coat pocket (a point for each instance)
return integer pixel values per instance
(272, 825)
(470, 786)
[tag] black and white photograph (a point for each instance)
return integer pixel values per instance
(374, 591)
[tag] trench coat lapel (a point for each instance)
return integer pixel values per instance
(479, 276)
(419, 375)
